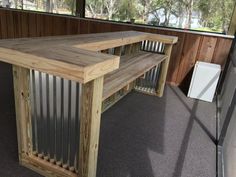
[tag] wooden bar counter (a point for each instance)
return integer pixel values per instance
(63, 84)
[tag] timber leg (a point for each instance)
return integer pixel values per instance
(90, 127)
(164, 70)
(21, 77)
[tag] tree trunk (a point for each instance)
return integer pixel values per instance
(189, 13)
(5, 3)
(91, 10)
(144, 13)
(101, 10)
(48, 6)
(167, 16)
(223, 19)
(16, 3)
(51, 5)
(110, 5)
(146, 8)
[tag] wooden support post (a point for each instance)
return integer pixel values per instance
(21, 77)
(164, 70)
(232, 25)
(117, 51)
(80, 8)
(90, 127)
(128, 49)
(136, 47)
(105, 51)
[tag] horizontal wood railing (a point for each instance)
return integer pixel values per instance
(191, 47)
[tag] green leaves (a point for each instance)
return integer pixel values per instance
(211, 15)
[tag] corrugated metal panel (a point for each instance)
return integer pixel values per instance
(148, 83)
(55, 119)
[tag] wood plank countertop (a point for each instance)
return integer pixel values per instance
(131, 67)
(73, 57)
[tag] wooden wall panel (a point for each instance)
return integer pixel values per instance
(48, 25)
(39, 25)
(58, 26)
(25, 25)
(207, 48)
(188, 56)
(17, 23)
(3, 23)
(10, 25)
(32, 25)
(84, 26)
(97, 27)
(118, 27)
(176, 57)
(221, 51)
(72, 26)
(189, 49)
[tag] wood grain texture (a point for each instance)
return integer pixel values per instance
(162, 38)
(33, 29)
(40, 25)
(102, 41)
(10, 25)
(17, 21)
(67, 62)
(164, 70)
(232, 27)
(24, 23)
(23, 112)
(206, 50)
(176, 57)
(3, 21)
(221, 52)
(131, 68)
(68, 56)
(90, 127)
(189, 56)
(117, 51)
(45, 168)
(216, 53)
(18, 24)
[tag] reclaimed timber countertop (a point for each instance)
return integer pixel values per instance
(74, 57)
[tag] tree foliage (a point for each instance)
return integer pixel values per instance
(214, 14)
(127, 10)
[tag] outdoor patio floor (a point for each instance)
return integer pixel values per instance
(141, 136)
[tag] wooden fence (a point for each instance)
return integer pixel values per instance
(190, 48)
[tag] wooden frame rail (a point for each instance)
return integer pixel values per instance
(85, 60)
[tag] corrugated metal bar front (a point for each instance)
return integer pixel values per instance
(55, 107)
(148, 83)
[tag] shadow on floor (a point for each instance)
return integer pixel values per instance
(131, 129)
(141, 136)
(193, 118)
(128, 131)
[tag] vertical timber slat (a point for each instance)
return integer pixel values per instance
(232, 25)
(21, 78)
(90, 127)
(164, 70)
(117, 51)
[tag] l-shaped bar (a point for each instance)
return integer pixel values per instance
(61, 79)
